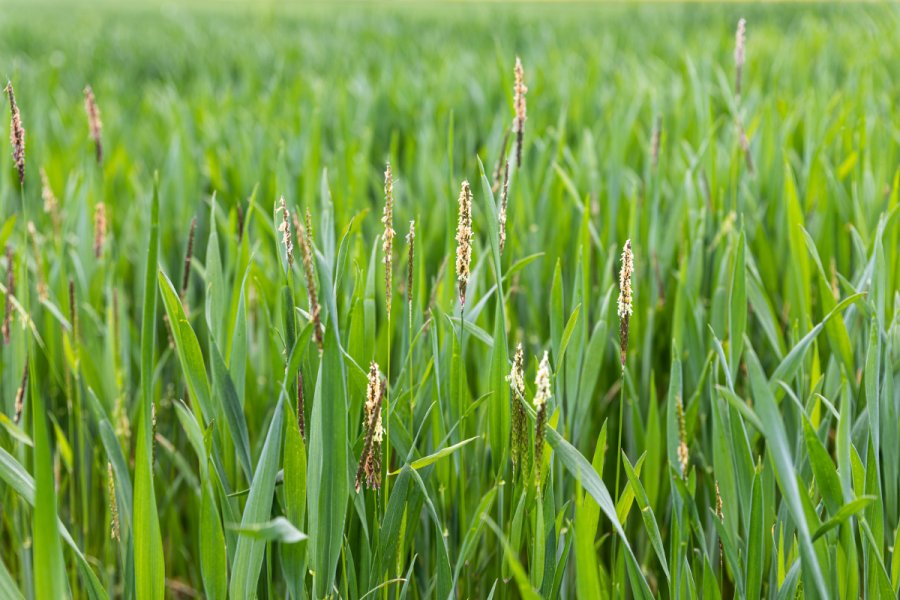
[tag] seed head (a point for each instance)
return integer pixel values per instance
(519, 105)
(10, 292)
(503, 200)
(464, 240)
(625, 299)
(93, 113)
(721, 517)
(739, 40)
(285, 229)
(99, 228)
(683, 453)
(370, 461)
(542, 383)
(301, 422)
(315, 310)
(387, 244)
(51, 205)
(516, 379)
(187, 263)
(113, 506)
(153, 432)
(411, 242)
(16, 133)
(20, 393)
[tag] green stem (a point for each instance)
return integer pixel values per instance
(618, 464)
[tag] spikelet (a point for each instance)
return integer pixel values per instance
(187, 264)
(38, 261)
(10, 292)
(20, 393)
(464, 240)
(542, 383)
(370, 461)
(153, 433)
(301, 419)
(113, 505)
(93, 113)
(285, 229)
(495, 178)
(411, 242)
(721, 516)
(51, 204)
(240, 223)
(683, 453)
(120, 414)
(654, 144)
(387, 237)
(99, 228)
(169, 331)
(519, 105)
(16, 133)
(309, 229)
(503, 200)
(739, 42)
(516, 379)
(315, 310)
(625, 299)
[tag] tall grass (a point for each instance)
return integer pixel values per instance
(275, 426)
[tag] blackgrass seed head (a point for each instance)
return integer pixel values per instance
(739, 41)
(625, 299)
(113, 505)
(542, 395)
(153, 432)
(370, 461)
(387, 244)
(519, 105)
(93, 113)
(301, 418)
(38, 261)
(285, 229)
(315, 310)
(411, 242)
(16, 133)
(684, 455)
(495, 178)
(20, 393)
(516, 379)
(503, 201)
(464, 240)
(99, 228)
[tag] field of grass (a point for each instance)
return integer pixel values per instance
(206, 395)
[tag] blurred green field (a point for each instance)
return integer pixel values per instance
(756, 413)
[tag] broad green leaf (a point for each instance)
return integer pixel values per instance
(737, 308)
(248, 557)
(841, 516)
(756, 540)
(646, 514)
(278, 529)
(148, 553)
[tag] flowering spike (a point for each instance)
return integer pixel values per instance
(285, 229)
(315, 310)
(93, 113)
(20, 393)
(516, 379)
(464, 240)
(113, 505)
(740, 37)
(625, 299)
(51, 205)
(16, 133)
(503, 200)
(542, 383)
(411, 242)
(99, 228)
(187, 262)
(301, 422)
(683, 452)
(39, 262)
(388, 237)
(519, 105)
(370, 461)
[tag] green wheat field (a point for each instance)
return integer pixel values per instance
(637, 343)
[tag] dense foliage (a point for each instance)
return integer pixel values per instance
(224, 377)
